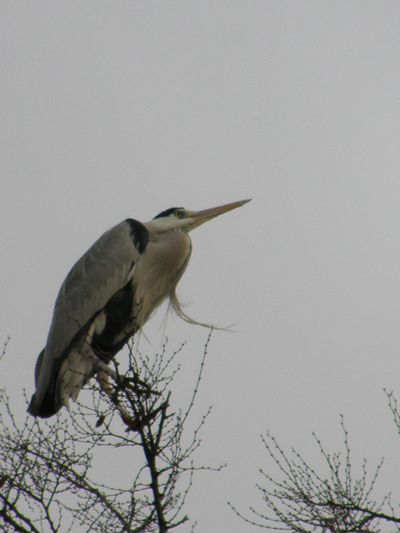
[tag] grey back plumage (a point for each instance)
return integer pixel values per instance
(100, 273)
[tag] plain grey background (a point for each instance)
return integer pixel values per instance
(122, 109)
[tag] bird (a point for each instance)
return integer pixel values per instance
(108, 296)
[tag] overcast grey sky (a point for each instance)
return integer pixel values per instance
(116, 109)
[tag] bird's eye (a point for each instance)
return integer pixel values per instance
(178, 214)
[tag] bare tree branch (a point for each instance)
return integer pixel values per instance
(304, 501)
(46, 472)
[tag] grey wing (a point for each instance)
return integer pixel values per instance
(104, 269)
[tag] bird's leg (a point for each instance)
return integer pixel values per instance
(103, 372)
(100, 366)
(103, 381)
(133, 423)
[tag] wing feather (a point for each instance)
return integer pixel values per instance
(101, 272)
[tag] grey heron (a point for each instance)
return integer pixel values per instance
(109, 295)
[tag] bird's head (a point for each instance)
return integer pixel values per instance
(180, 218)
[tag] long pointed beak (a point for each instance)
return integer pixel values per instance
(199, 217)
